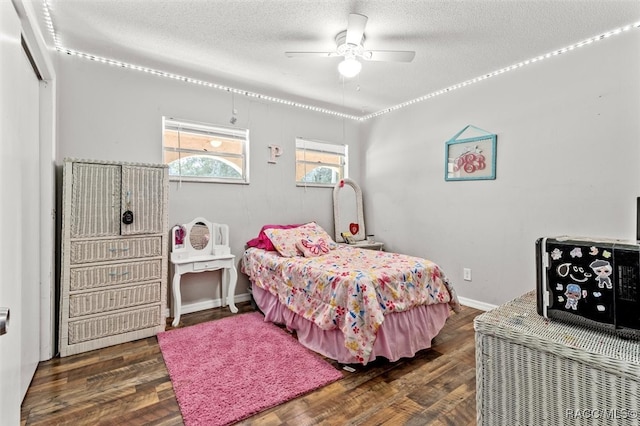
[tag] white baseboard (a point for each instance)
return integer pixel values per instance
(188, 308)
(476, 304)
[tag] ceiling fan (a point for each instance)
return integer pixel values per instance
(350, 45)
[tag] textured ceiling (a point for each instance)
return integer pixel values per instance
(241, 43)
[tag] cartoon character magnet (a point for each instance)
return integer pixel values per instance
(573, 293)
(602, 269)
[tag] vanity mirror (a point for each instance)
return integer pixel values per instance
(347, 210)
(199, 236)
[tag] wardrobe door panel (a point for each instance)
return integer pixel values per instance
(142, 197)
(95, 199)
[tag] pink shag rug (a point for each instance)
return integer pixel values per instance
(226, 370)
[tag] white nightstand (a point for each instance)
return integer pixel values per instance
(376, 245)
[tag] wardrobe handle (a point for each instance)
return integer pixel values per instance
(4, 320)
(113, 249)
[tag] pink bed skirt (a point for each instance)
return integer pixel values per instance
(401, 335)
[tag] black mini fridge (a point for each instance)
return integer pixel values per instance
(591, 282)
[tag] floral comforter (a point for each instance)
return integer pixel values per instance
(349, 288)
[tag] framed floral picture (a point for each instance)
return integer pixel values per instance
(471, 158)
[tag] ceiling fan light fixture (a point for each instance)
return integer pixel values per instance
(350, 67)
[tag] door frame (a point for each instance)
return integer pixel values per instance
(43, 61)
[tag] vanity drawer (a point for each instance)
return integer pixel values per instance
(115, 249)
(111, 300)
(213, 264)
(113, 324)
(85, 278)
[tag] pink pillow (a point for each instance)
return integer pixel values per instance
(313, 247)
(285, 240)
(314, 230)
(262, 241)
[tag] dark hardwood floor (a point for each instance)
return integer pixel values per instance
(128, 384)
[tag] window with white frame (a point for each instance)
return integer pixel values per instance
(204, 152)
(320, 163)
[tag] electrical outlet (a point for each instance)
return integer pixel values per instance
(466, 274)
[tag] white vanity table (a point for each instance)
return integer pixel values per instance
(201, 246)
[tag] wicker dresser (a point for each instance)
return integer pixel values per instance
(114, 253)
(532, 371)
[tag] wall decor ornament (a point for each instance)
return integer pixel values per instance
(472, 158)
(274, 151)
(354, 228)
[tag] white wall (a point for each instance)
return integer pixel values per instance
(567, 163)
(115, 114)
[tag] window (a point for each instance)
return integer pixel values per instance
(320, 163)
(205, 153)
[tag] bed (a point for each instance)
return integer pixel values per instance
(348, 304)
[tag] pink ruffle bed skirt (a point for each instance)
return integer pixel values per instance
(401, 335)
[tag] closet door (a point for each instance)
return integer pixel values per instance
(143, 197)
(95, 198)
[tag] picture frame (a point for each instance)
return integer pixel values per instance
(471, 158)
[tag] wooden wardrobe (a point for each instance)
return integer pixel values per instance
(114, 253)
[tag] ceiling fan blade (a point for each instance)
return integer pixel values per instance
(355, 28)
(389, 55)
(307, 54)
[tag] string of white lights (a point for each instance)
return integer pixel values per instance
(49, 23)
(204, 83)
(250, 94)
(504, 70)
(273, 99)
